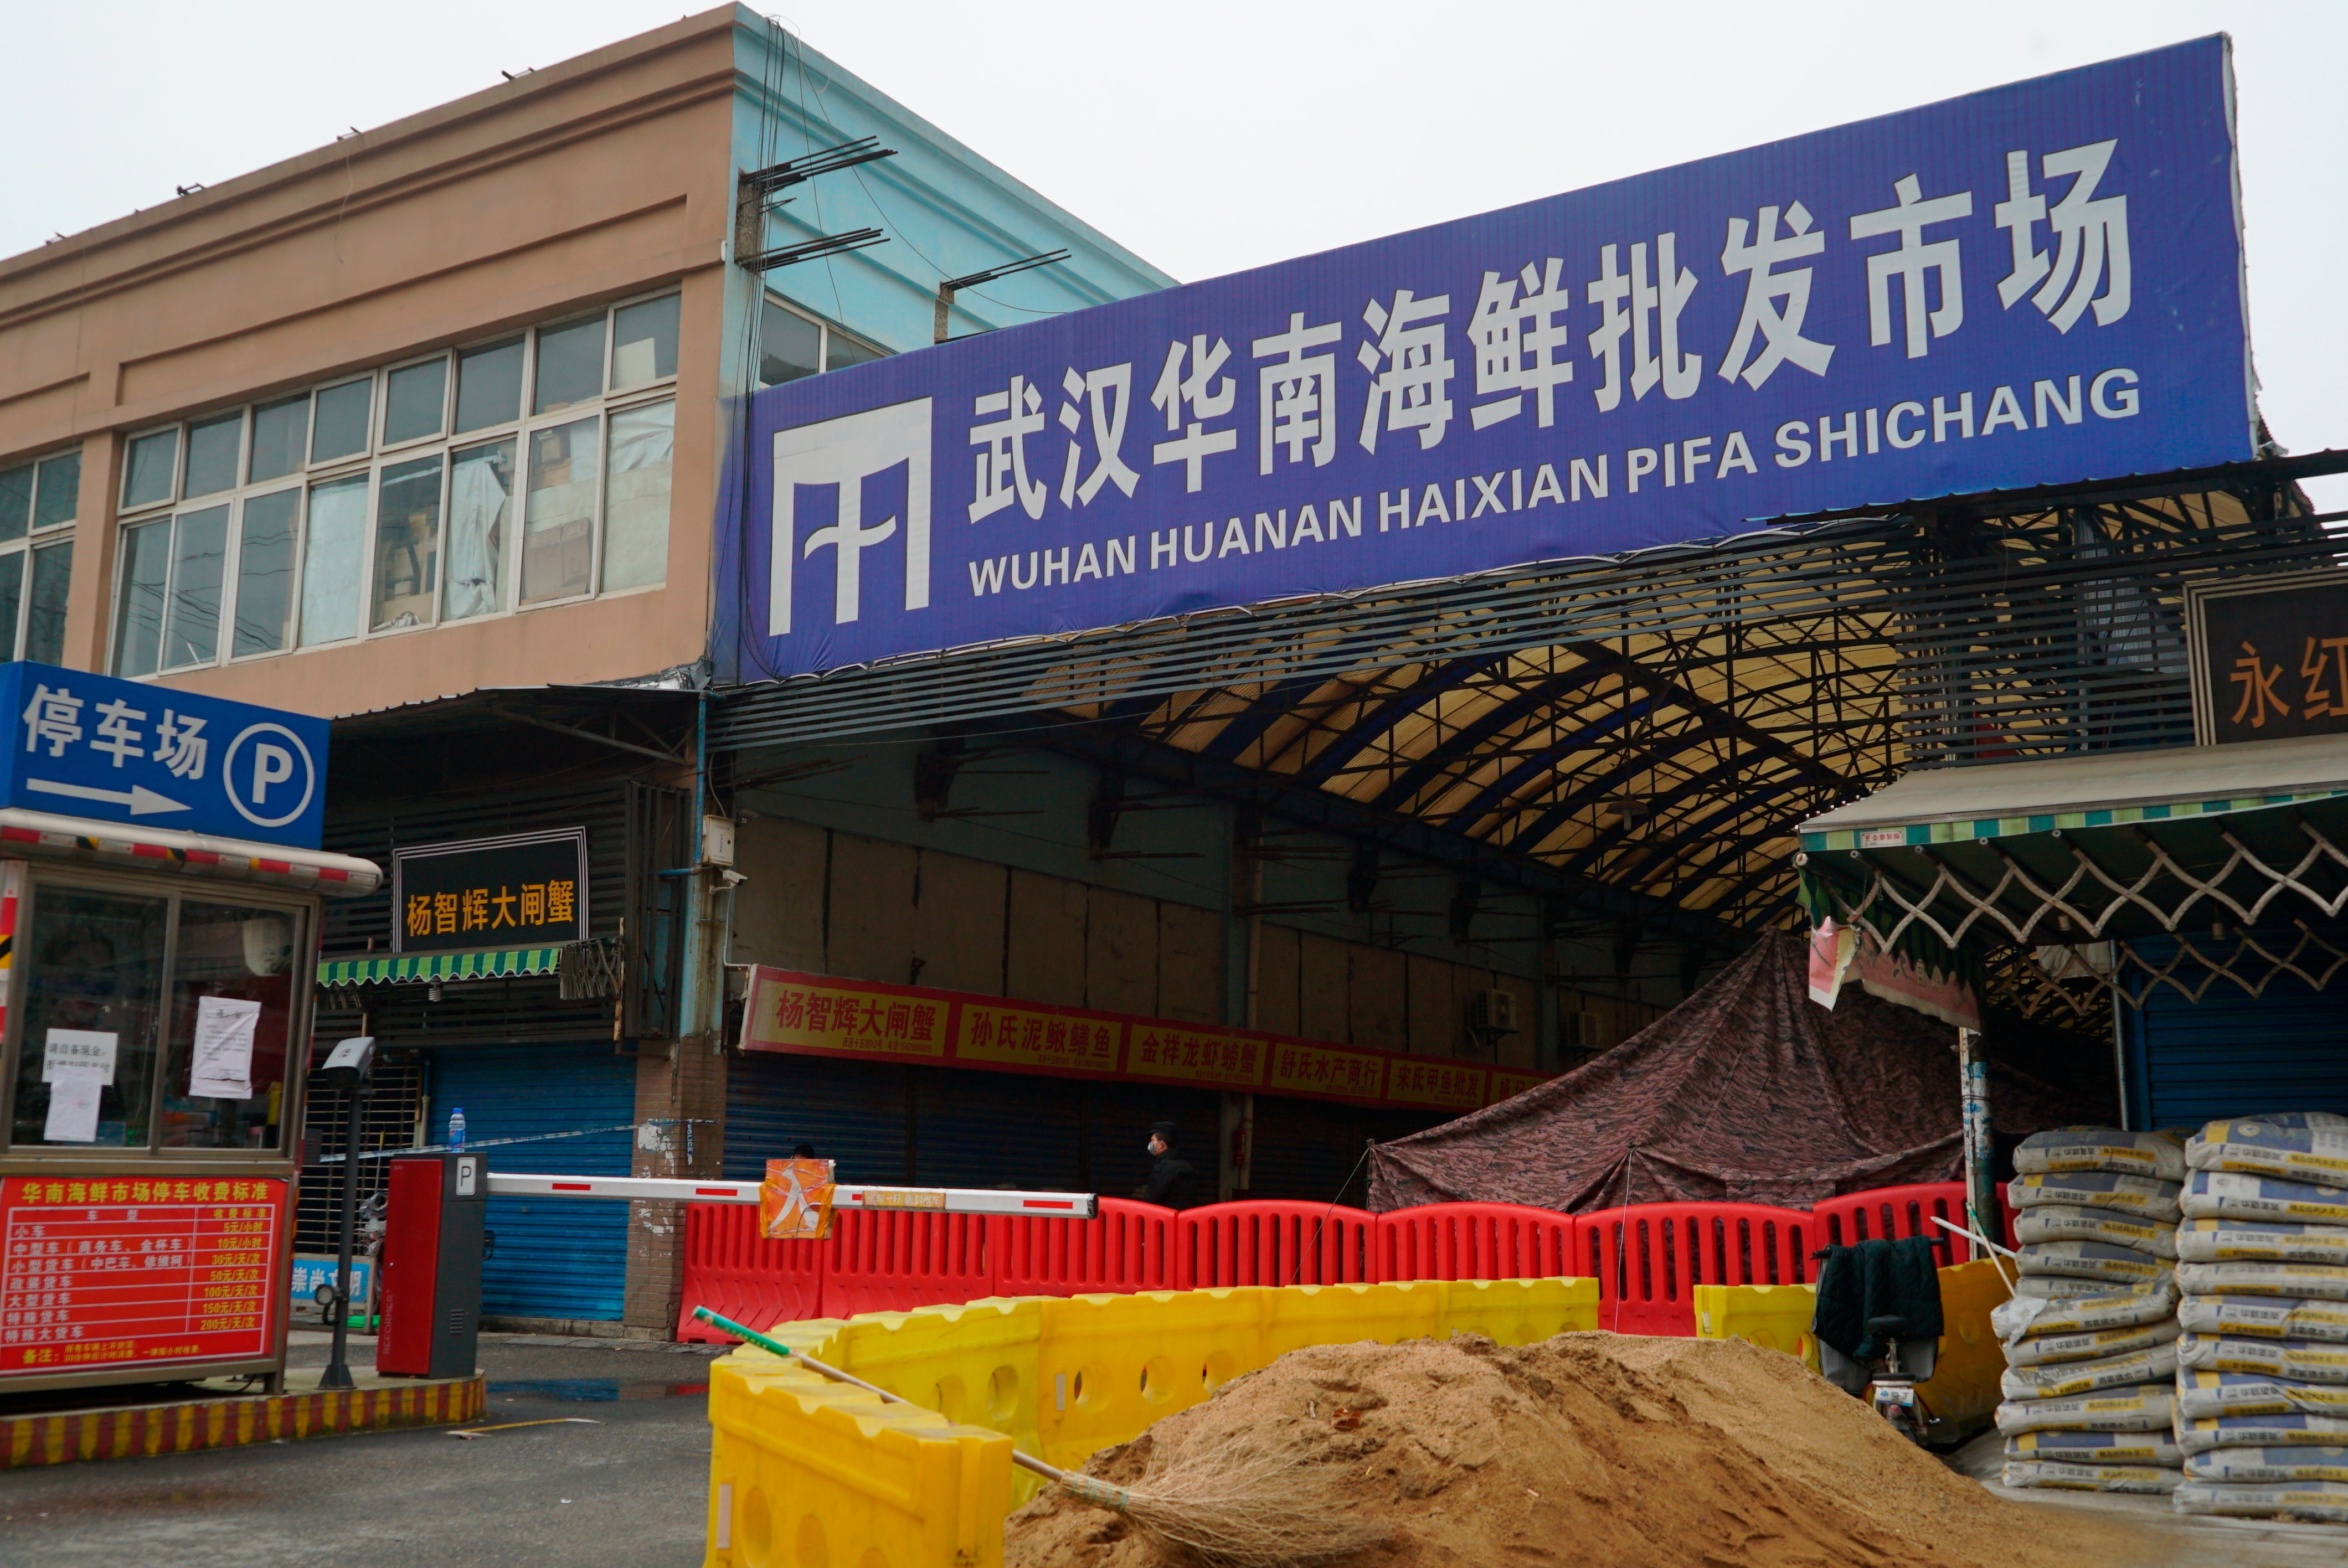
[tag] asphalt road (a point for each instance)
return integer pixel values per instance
(627, 1492)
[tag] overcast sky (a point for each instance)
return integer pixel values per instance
(1212, 135)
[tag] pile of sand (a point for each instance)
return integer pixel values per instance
(1597, 1448)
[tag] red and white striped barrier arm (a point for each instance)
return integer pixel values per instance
(668, 1189)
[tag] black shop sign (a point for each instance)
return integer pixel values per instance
(2269, 658)
(524, 890)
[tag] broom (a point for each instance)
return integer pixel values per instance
(1230, 1504)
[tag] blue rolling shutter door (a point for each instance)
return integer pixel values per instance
(2230, 1054)
(852, 1112)
(555, 1258)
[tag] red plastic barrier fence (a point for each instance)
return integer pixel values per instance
(1129, 1248)
(1472, 1241)
(890, 1260)
(733, 1270)
(1648, 1258)
(1273, 1242)
(1890, 1214)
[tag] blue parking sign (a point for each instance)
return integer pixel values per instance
(121, 751)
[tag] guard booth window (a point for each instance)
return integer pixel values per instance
(96, 1040)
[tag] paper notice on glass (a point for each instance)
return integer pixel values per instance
(78, 1047)
(73, 1104)
(222, 1067)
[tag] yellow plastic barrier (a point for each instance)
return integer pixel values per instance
(1774, 1317)
(810, 1474)
(1963, 1387)
(805, 1473)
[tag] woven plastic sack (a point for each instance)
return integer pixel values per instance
(2092, 1260)
(2257, 1148)
(2321, 1501)
(2148, 1408)
(2061, 1349)
(2270, 1464)
(2155, 1154)
(2060, 1287)
(2230, 1194)
(2299, 1361)
(2261, 1241)
(2294, 1430)
(2311, 1281)
(2066, 1378)
(2200, 1394)
(2096, 1190)
(2096, 1448)
(2262, 1318)
(2020, 1316)
(2063, 1222)
(2091, 1477)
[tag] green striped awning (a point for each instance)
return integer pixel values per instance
(398, 968)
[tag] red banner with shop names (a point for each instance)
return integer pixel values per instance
(119, 1270)
(818, 1015)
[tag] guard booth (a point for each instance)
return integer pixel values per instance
(160, 893)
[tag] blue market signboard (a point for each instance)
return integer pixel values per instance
(151, 756)
(2037, 284)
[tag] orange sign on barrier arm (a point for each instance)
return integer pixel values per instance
(795, 1200)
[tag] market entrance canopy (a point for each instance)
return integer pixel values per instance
(2039, 285)
(2074, 850)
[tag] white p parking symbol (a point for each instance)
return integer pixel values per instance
(269, 775)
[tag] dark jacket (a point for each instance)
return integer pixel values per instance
(1877, 1279)
(1170, 1181)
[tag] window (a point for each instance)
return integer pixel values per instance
(379, 504)
(791, 346)
(108, 990)
(36, 500)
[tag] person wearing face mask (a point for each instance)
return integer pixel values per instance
(1170, 1179)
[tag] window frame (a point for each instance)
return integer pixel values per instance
(44, 874)
(370, 464)
(37, 539)
(825, 331)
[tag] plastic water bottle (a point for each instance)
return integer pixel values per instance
(457, 1128)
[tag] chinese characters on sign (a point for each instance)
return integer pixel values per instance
(2269, 658)
(119, 751)
(520, 892)
(814, 1015)
(104, 1270)
(1943, 302)
(806, 1013)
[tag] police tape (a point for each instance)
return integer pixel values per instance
(473, 1144)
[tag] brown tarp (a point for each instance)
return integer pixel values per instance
(1747, 1093)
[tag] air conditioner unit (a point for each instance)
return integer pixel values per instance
(1492, 1012)
(1585, 1031)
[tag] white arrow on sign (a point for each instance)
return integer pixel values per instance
(142, 801)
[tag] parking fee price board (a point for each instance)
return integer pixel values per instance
(121, 1271)
(144, 755)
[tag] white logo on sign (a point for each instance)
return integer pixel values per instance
(266, 767)
(843, 453)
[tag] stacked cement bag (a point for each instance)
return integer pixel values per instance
(2262, 1361)
(2090, 1332)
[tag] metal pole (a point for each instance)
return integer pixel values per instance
(1981, 1148)
(337, 1374)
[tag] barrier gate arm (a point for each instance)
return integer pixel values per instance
(934, 1200)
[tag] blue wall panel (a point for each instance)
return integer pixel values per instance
(555, 1258)
(2233, 1055)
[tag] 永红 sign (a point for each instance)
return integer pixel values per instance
(2032, 285)
(2269, 657)
(147, 755)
